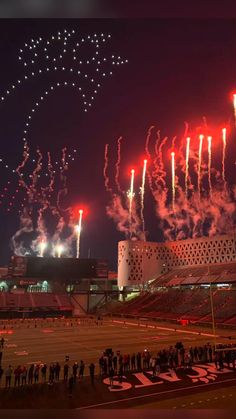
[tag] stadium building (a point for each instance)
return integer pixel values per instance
(188, 281)
(171, 280)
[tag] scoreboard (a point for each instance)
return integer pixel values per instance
(66, 268)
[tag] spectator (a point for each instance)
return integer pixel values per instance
(111, 376)
(2, 343)
(66, 371)
(31, 374)
(153, 366)
(91, 372)
(101, 365)
(120, 373)
(81, 369)
(36, 374)
(75, 368)
(8, 375)
(51, 374)
(17, 373)
(71, 384)
(132, 362)
(23, 375)
(115, 362)
(1, 373)
(138, 358)
(0, 357)
(57, 371)
(44, 372)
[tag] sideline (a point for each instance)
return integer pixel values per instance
(172, 329)
(155, 394)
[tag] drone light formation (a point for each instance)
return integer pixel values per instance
(64, 60)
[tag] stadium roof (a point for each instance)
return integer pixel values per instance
(223, 273)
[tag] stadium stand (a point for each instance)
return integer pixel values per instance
(183, 293)
(16, 303)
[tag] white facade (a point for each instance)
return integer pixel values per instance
(139, 261)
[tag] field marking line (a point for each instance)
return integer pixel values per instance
(155, 394)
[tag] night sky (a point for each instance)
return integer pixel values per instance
(178, 70)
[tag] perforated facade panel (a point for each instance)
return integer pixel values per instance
(139, 261)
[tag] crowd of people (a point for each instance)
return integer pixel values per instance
(116, 364)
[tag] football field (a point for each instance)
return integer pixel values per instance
(53, 339)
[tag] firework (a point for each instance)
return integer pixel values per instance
(78, 230)
(234, 105)
(106, 178)
(149, 155)
(118, 164)
(131, 196)
(209, 140)
(223, 156)
(142, 192)
(42, 247)
(187, 165)
(199, 163)
(173, 178)
(59, 250)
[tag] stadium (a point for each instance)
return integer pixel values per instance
(182, 291)
(159, 329)
(169, 280)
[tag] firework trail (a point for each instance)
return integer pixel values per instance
(173, 179)
(142, 193)
(35, 175)
(131, 196)
(209, 140)
(149, 156)
(200, 163)
(106, 178)
(187, 165)
(162, 172)
(59, 250)
(64, 190)
(118, 164)
(173, 142)
(42, 247)
(158, 139)
(26, 226)
(234, 104)
(78, 230)
(223, 157)
(155, 160)
(21, 166)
